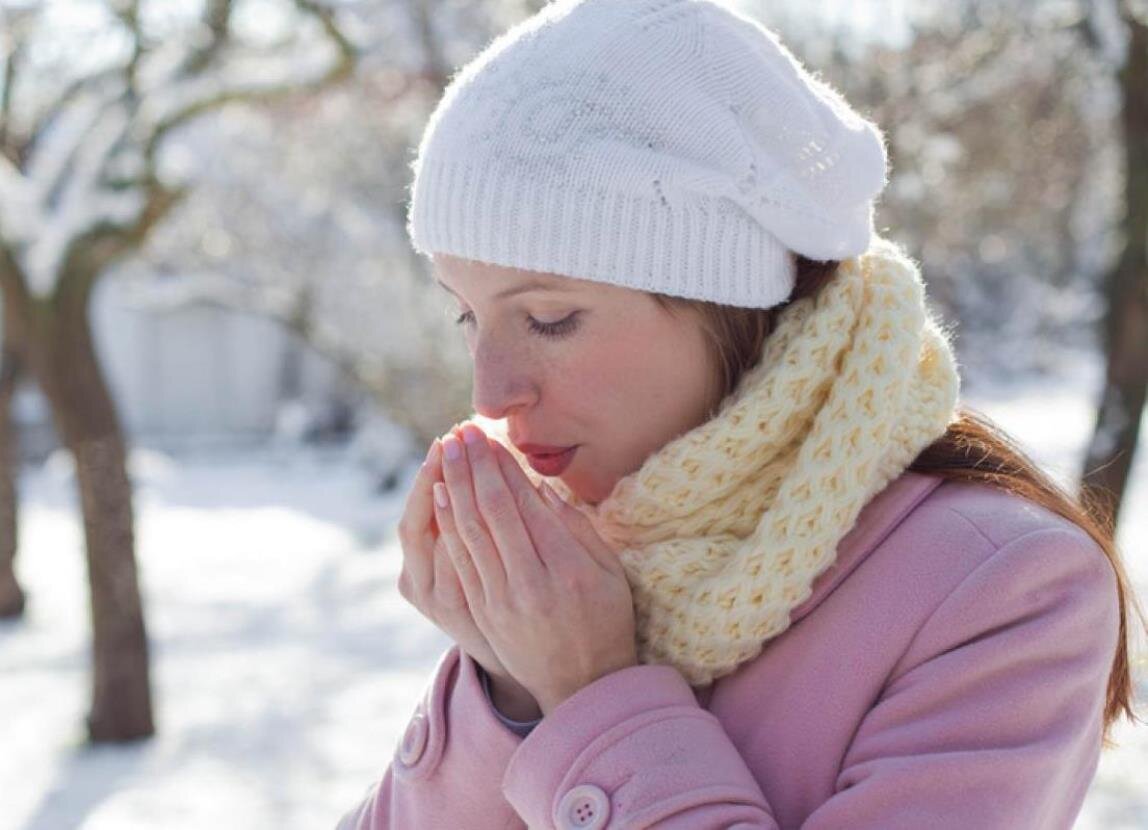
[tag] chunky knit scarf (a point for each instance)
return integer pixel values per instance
(723, 530)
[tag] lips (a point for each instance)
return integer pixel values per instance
(549, 463)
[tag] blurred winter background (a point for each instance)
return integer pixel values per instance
(222, 362)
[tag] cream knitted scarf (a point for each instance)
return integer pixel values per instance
(723, 530)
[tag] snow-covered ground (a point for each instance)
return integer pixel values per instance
(285, 664)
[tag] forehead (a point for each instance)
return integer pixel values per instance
(455, 274)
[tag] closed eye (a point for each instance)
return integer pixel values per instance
(558, 329)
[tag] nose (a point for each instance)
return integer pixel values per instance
(503, 380)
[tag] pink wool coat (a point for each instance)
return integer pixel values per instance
(948, 671)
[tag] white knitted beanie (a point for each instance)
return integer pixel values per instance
(673, 146)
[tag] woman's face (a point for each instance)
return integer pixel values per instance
(573, 362)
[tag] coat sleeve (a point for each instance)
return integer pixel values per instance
(448, 765)
(522, 728)
(990, 719)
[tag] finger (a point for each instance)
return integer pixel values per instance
(418, 515)
(546, 528)
(465, 569)
(467, 520)
(513, 471)
(582, 529)
(418, 511)
(500, 509)
(575, 520)
(448, 588)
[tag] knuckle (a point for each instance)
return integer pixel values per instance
(449, 599)
(500, 507)
(453, 555)
(532, 585)
(531, 600)
(471, 529)
(575, 580)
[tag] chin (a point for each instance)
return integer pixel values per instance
(588, 492)
(576, 486)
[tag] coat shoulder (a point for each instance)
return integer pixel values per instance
(999, 516)
(959, 528)
(932, 532)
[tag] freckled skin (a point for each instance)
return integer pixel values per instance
(628, 378)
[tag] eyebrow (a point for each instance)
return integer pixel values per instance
(529, 285)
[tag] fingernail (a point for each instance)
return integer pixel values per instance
(451, 448)
(472, 435)
(440, 494)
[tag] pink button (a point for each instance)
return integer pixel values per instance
(414, 740)
(584, 807)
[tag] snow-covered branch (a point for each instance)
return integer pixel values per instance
(1106, 31)
(239, 75)
(87, 173)
(215, 23)
(11, 53)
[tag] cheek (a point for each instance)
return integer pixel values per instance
(592, 378)
(618, 371)
(663, 381)
(623, 374)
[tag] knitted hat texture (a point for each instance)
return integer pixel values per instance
(672, 146)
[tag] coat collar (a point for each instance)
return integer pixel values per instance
(876, 520)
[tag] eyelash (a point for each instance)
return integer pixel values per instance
(554, 330)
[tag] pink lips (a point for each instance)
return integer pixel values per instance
(551, 464)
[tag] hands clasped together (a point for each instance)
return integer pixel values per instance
(524, 585)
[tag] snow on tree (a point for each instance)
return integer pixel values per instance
(299, 215)
(90, 93)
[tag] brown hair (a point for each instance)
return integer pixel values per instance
(972, 449)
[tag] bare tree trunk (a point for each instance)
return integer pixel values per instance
(1108, 462)
(88, 425)
(12, 597)
(54, 332)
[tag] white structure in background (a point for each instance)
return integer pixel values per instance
(187, 372)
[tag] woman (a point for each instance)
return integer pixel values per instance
(776, 577)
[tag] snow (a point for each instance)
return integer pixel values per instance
(286, 665)
(84, 167)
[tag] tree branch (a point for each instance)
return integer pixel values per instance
(16, 23)
(128, 12)
(46, 168)
(326, 17)
(12, 182)
(88, 254)
(12, 55)
(216, 22)
(435, 63)
(1135, 10)
(206, 93)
